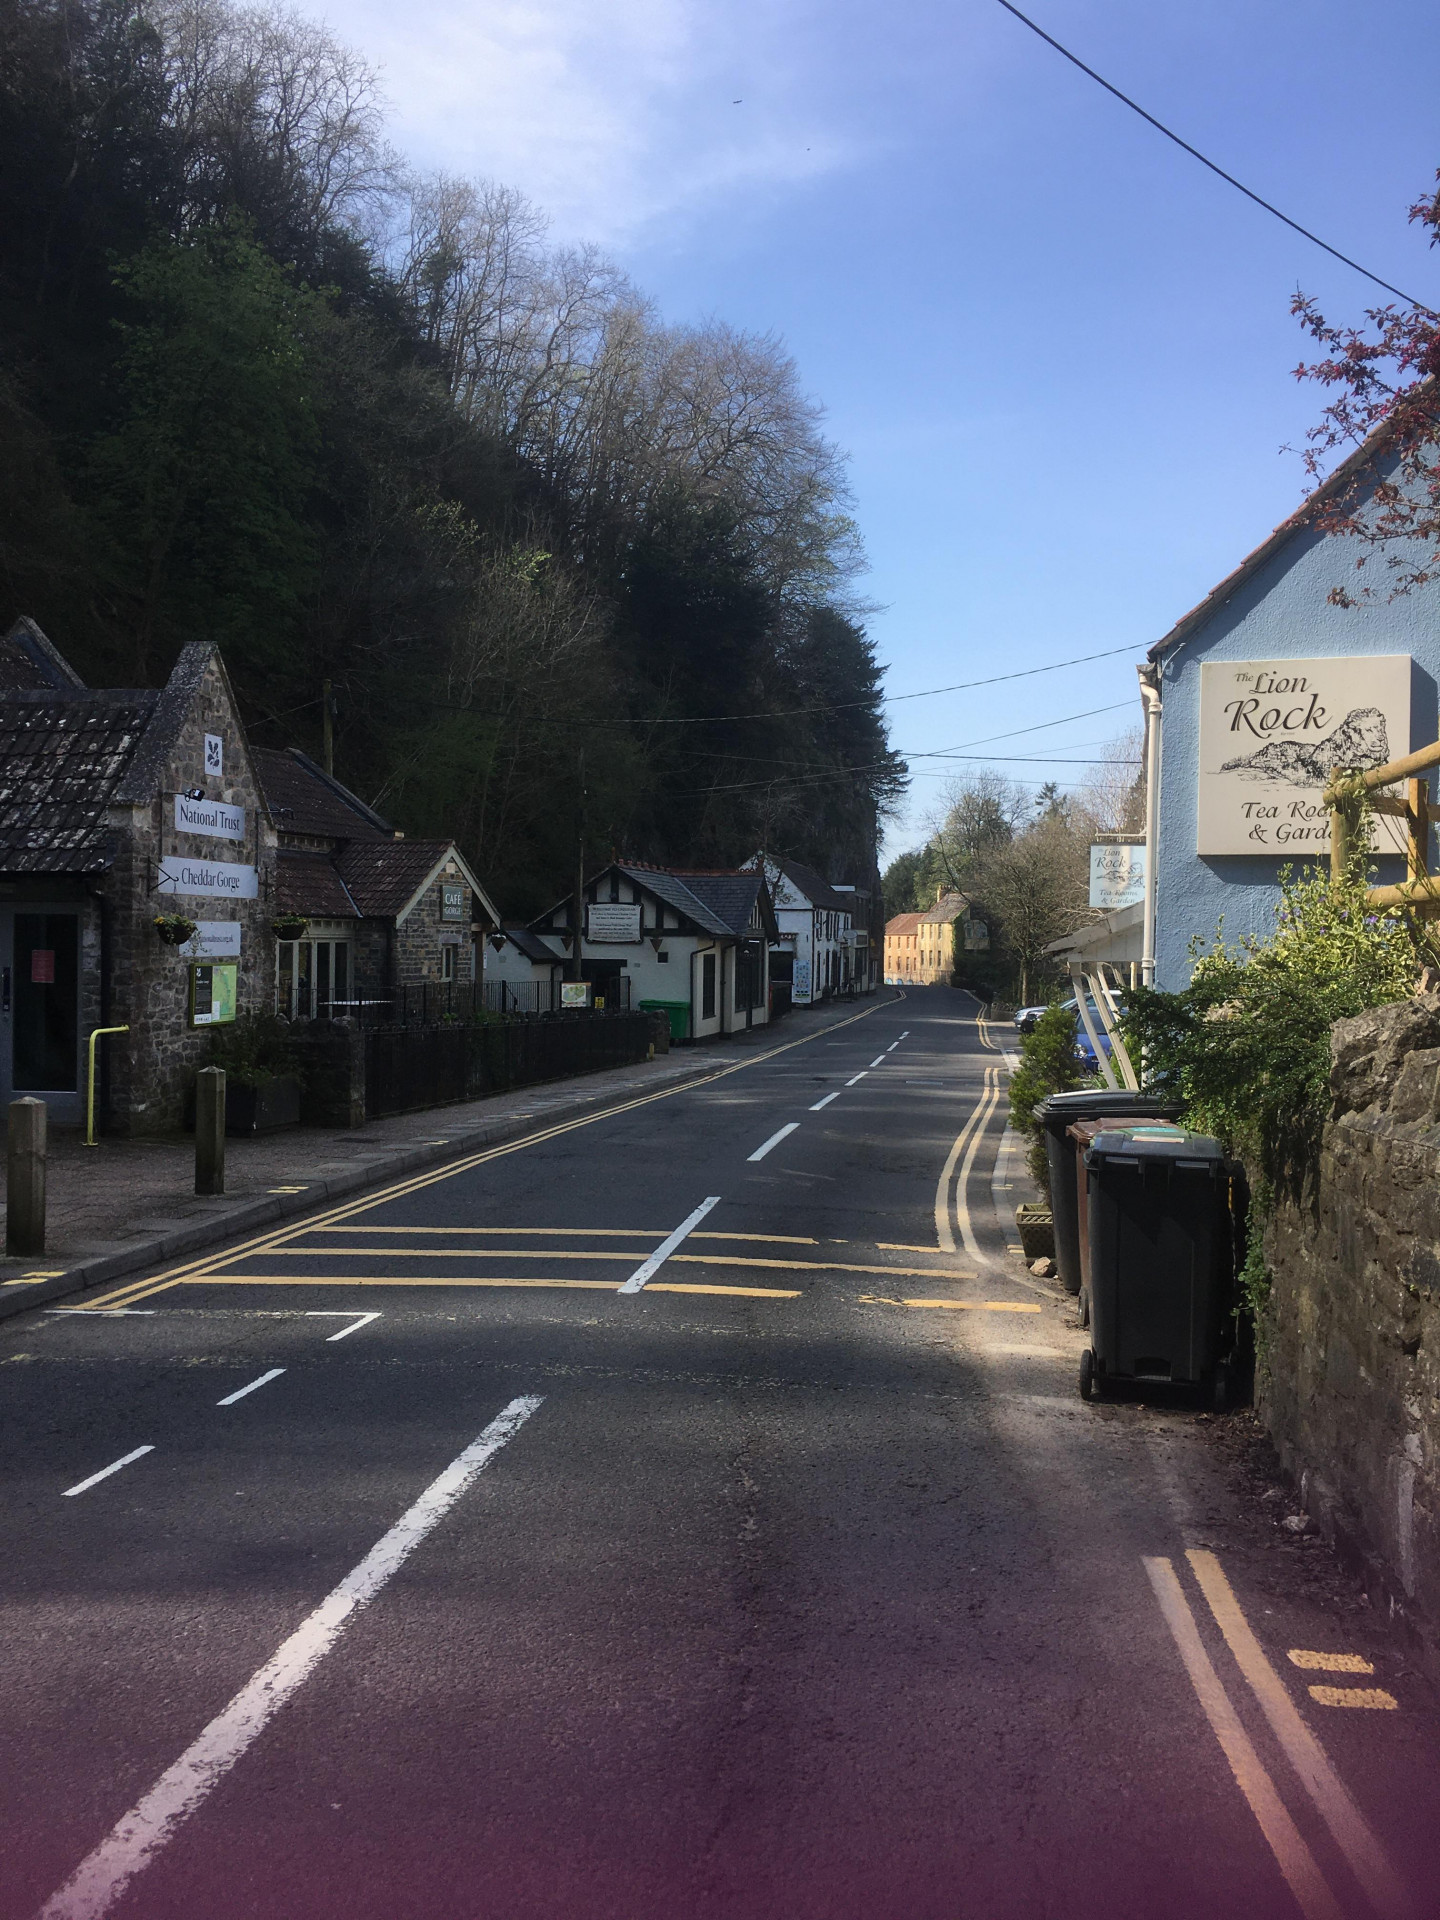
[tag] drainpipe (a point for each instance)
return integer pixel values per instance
(1150, 694)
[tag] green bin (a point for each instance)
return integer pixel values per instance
(678, 1012)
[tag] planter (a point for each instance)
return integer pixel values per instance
(264, 1108)
(289, 926)
(1037, 1231)
(174, 928)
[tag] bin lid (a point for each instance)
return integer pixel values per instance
(1175, 1146)
(1084, 1131)
(1100, 1103)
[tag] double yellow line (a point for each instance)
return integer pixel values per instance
(136, 1290)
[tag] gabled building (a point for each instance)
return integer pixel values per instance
(120, 807)
(824, 931)
(383, 914)
(1251, 699)
(522, 972)
(922, 949)
(691, 940)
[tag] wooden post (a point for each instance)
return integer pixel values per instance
(1339, 843)
(25, 1174)
(1417, 829)
(210, 1130)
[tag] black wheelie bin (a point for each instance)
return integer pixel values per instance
(1161, 1267)
(1057, 1114)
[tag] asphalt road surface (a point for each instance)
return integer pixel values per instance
(491, 1547)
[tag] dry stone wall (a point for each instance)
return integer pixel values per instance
(1351, 1377)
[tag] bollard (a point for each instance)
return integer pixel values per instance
(25, 1175)
(210, 1130)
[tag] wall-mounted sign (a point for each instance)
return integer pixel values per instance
(213, 940)
(452, 902)
(213, 993)
(613, 922)
(214, 755)
(209, 816)
(217, 878)
(1271, 732)
(574, 993)
(1117, 876)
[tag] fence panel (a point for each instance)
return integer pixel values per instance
(409, 1067)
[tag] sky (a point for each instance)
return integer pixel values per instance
(1058, 352)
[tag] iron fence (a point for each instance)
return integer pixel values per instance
(443, 1003)
(408, 1066)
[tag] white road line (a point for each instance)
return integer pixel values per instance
(1353, 1834)
(906, 1034)
(892, 1046)
(1292, 1856)
(858, 1078)
(826, 1101)
(240, 1392)
(105, 1472)
(340, 1313)
(102, 1877)
(878, 1061)
(105, 1312)
(791, 1126)
(648, 1269)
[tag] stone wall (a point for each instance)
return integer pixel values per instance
(421, 935)
(1350, 1386)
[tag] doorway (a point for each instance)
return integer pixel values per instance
(40, 1010)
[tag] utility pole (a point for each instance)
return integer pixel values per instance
(328, 728)
(577, 905)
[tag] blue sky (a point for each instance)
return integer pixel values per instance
(1058, 351)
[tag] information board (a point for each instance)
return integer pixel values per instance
(613, 922)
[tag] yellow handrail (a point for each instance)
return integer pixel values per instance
(90, 1139)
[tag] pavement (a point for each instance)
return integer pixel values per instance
(126, 1204)
(685, 1509)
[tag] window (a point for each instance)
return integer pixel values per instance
(447, 963)
(312, 977)
(707, 986)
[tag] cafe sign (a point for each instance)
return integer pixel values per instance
(1273, 731)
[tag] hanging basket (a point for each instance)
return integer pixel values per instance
(174, 929)
(289, 926)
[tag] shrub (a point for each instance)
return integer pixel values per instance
(1048, 1064)
(253, 1050)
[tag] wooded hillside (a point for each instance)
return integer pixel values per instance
(563, 564)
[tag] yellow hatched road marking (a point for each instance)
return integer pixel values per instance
(265, 1242)
(1375, 1698)
(1329, 1662)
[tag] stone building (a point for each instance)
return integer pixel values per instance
(384, 915)
(921, 948)
(118, 807)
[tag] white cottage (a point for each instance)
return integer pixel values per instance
(693, 942)
(822, 927)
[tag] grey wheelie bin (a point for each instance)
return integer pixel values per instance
(1161, 1261)
(1057, 1114)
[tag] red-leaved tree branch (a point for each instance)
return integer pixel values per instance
(1386, 374)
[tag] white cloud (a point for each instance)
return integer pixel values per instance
(613, 115)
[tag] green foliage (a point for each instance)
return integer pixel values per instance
(253, 1050)
(1048, 1064)
(1246, 1045)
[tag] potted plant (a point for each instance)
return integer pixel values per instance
(289, 926)
(262, 1078)
(174, 928)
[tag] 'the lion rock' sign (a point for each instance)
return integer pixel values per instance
(1271, 733)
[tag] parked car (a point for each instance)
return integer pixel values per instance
(1026, 1018)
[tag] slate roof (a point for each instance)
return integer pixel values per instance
(303, 798)
(28, 662)
(948, 907)
(533, 947)
(308, 883)
(731, 898)
(902, 925)
(818, 891)
(64, 758)
(675, 893)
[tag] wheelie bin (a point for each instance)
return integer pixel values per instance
(1161, 1267)
(1057, 1114)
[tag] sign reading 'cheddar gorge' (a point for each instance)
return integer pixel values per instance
(1273, 731)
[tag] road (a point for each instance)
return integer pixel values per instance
(482, 1561)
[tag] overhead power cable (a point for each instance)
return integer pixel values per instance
(1229, 178)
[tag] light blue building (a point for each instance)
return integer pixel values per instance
(1251, 699)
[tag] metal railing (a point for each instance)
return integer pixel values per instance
(410, 1067)
(428, 1003)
